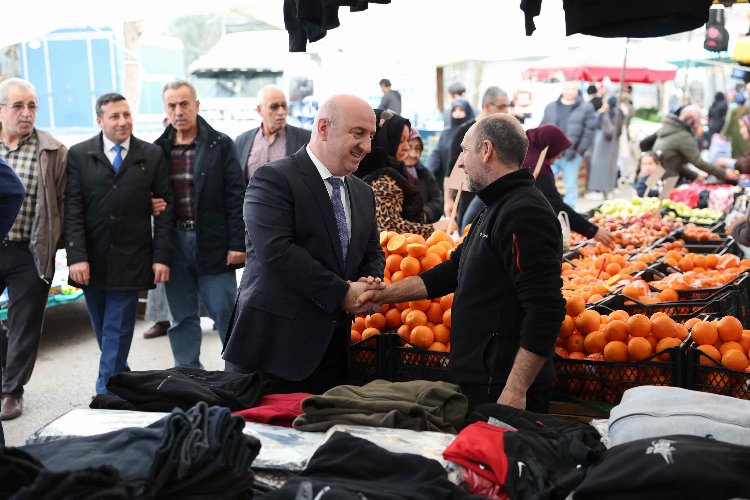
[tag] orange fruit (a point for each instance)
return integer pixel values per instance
(369, 332)
(613, 268)
(567, 327)
(447, 318)
(575, 305)
(639, 325)
(416, 249)
(691, 322)
(415, 318)
(729, 328)
(438, 346)
(711, 351)
(397, 276)
(397, 244)
(682, 332)
(393, 318)
(356, 337)
(442, 333)
(415, 238)
(404, 332)
(745, 340)
(375, 320)
(734, 360)
(437, 236)
(594, 342)
(410, 266)
(430, 260)
(666, 343)
(668, 295)
(728, 346)
(651, 340)
(711, 260)
(619, 314)
(434, 313)
(393, 262)
(704, 333)
(686, 264)
(616, 351)
(657, 314)
(593, 299)
(587, 322)
(359, 324)
(446, 302)
(632, 291)
(562, 352)
(639, 348)
(574, 343)
(404, 313)
(420, 305)
(616, 330)
(663, 327)
(439, 251)
(384, 237)
(576, 355)
(421, 336)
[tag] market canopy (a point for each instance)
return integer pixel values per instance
(596, 62)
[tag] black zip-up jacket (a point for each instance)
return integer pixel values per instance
(506, 277)
(219, 187)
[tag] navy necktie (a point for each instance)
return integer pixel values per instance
(118, 157)
(339, 213)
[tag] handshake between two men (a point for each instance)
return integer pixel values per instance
(368, 294)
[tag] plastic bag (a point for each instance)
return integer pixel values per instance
(565, 227)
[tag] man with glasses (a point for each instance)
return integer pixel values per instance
(276, 139)
(494, 100)
(209, 236)
(27, 254)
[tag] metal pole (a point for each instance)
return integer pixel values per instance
(618, 115)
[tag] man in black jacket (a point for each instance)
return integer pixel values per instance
(209, 236)
(274, 139)
(111, 253)
(507, 307)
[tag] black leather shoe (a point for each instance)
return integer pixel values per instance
(11, 407)
(159, 329)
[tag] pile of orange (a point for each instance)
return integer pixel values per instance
(723, 341)
(616, 337)
(422, 323)
(699, 233)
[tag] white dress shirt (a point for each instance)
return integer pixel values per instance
(110, 153)
(325, 174)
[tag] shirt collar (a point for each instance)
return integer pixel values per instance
(322, 170)
(108, 145)
(279, 133)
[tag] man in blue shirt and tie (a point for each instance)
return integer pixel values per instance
(111, 252)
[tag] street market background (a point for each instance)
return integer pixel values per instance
(420, 45)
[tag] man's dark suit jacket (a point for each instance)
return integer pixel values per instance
(295, 138)
(288, 309)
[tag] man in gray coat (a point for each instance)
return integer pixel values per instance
(577, 119)
(276, 140)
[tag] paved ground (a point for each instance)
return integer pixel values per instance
(66, 368)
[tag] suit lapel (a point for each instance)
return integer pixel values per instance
(134, 156)
(358, 210)
(314, 182)
(96, 149)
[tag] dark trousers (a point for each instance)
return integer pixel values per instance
(113, 318)
(331, 371)
(27, 294)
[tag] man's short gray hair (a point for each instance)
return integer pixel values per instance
(506, 135)
(176, 84)
(491, 94)
(5, 86)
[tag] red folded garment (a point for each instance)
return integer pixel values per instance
(275, 409)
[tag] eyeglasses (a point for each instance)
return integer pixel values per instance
(19, 107)
(385, 115)
(275, 106)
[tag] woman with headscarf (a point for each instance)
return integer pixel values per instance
(602, 170)
(399, 205)
(553, 138)
(439, 161)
